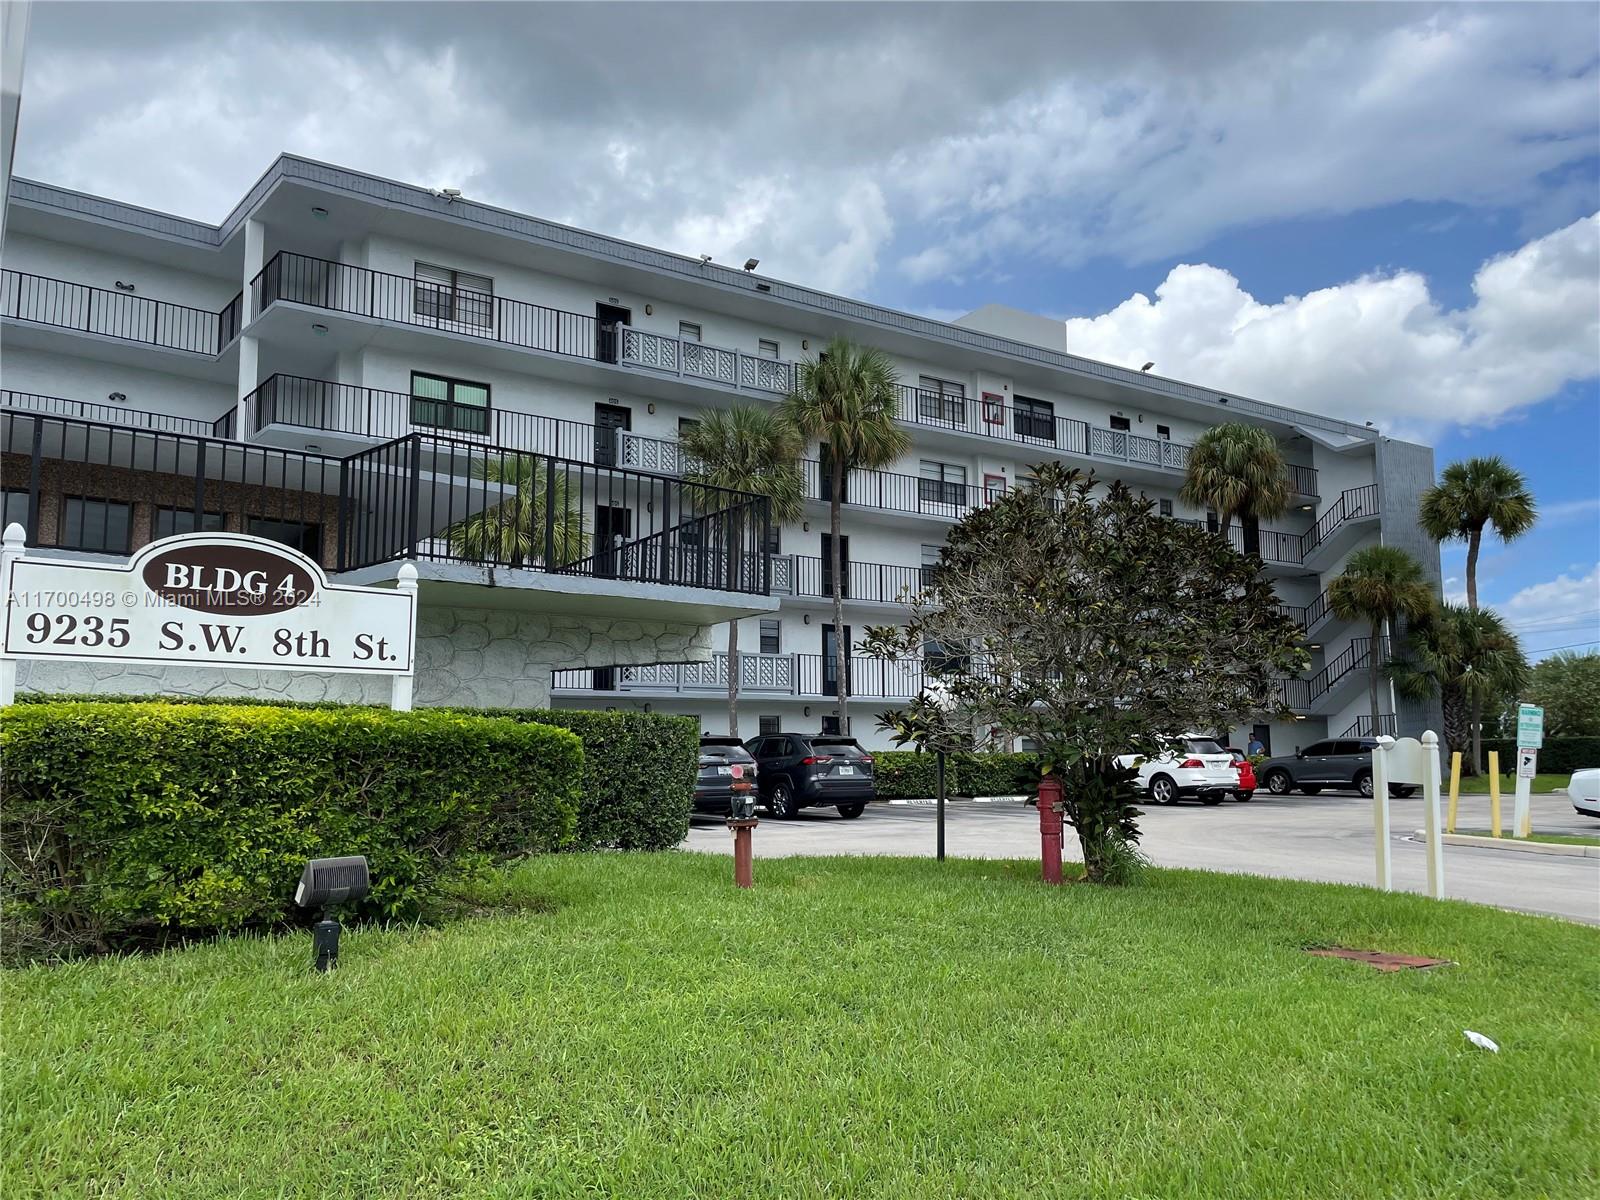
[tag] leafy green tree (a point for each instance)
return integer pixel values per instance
(1463, 657)
(513, 531)
(1096, 629)
(1239, 471)
(748, 450)
(1379, 585)
(1567, 687)
(847, 400)
(1474, 495)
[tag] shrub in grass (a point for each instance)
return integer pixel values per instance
(1558, 756)
(638, 768)
(127, 821)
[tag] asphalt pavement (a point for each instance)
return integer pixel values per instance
(1324, 838)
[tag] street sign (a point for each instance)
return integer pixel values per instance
(1530, 726)
(1527, 762)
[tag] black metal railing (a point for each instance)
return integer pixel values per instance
(108, 414)
(1352, 503)
(386, 415)
(447, 500)
(1305, 693)
(887, 583)
(1309, 616)
(360, 291)
(1303, 479)
(44, 301)
(1388, 725)
(894, 492)
(143, 484)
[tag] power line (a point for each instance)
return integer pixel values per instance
(1568, 646)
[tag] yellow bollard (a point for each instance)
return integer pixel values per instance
(1455, 791)
(1494, 792)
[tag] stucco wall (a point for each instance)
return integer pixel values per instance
(477, 658)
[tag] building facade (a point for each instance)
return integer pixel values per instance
(373, 371)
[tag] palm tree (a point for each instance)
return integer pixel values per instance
(1379, 585)
(1239, 471)
(1472, 495)
(1464, 657)
(513, 531)
(846, 399)
(752, 450)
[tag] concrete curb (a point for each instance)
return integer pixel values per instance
(930, 803)
(1517, 846)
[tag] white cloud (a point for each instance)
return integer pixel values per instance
(1379, 347)
(1559, 612)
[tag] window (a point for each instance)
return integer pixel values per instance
(1166, 508)
(1027, 745)
(766, 725)
(444, 403)
(687, 423)
(930, 564)
(830, 725)
(172, 521)
(1121, 423)
(103, 526)
(460, 297)
(767, 348)
(941, 401)
(771, 637)
(1164, 433)
(16, 509)
(304, 536)
(938, 658)
(1213, 525)
(941, 483)
(774, 539)
(689, 331)
(1317, 749)
(1034, 419)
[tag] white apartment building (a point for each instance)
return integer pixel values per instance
(372, 371)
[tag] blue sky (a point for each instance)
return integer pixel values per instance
(1384, 212)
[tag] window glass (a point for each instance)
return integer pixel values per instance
(172, 521)
(1163, 432)
(830, 725)
(454, 404)
(767, 724)
(1202, 746)
(941, 482)
(100, 526)
(766, 348)
(1033, 418)
(689, 331)
(304, 536)
(445, 294)
(1121, 423)
(1319, 748)
(941, 400)
(1346, 748)
(16, 508)
(770, 637)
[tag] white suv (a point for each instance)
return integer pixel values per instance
(1203, 769)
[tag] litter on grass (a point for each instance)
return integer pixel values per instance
(1381, 960)
(1481, 1042)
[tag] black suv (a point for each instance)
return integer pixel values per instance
(725, 768)
(808, 770)
(1342, 763)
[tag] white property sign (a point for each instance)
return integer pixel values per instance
(206, 599)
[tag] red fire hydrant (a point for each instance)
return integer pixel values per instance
(743, 869)
(1050, 828)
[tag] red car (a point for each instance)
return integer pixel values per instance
(1247, 774)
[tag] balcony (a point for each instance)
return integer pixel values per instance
(1322, 691)
(864, 582)
(122, 316)
(686, 358)
(1311, 616)
(116, 414)
(800, 676)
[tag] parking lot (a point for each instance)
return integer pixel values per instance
(1326, 838)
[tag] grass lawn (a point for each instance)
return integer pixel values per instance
(851, 1028)
(1478, 785)
(1559, 839)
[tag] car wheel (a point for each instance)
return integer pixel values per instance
(1242, 796)
(851, 811)
(1163, 790)
(1312, 791)
(1364, 783)
(780, 802)
(1279, 783)
(1401, 792)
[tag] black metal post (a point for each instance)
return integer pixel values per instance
(940, 821)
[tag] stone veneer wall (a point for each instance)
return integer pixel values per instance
(480, 658)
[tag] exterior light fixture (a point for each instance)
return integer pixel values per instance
(649, 310)
(320, 330)
(750, 264)
(1146, 367)
(128, 287)
(313, 447)
(805, 619)
(1222, 399)
(118, 397)
(1306, 508)
(324, 883)
(1313, 645)
(319, 212)
(651, 408)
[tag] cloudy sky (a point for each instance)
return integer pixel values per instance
(1384, 212)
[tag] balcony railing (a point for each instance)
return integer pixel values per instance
(1305, 694)
(108, 414)
(44, 301)
(657, 455)
(893, 492)
(1310, 616)
(1352, 504)
(886, 583)
(447, 500)
(1388, 724)
(718, 364)
(385, 415)
(801, 675)
(1304, 479)
(359, 291)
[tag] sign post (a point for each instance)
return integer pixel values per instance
(205, 599)
(1530, 738)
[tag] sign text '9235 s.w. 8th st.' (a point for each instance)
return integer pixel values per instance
(214, 599)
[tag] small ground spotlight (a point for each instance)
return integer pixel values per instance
(324, 883)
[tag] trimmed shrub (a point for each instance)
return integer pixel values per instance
(1558, 756)
(128, 820)
(638, 768)
(909, 775)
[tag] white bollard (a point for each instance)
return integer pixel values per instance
(1430, 813)
(1380, 811)
(400, 685)
(12, 544)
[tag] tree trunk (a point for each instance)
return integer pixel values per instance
(733, 678)
(1373, 658)
(1453, 703)
(1473, 542)
(841, 651)
(1477, 735)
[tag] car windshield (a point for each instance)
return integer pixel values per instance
(1202, 746)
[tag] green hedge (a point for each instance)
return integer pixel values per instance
(638, 768)
(908, 775)
(127, 820)
(1559, 755)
